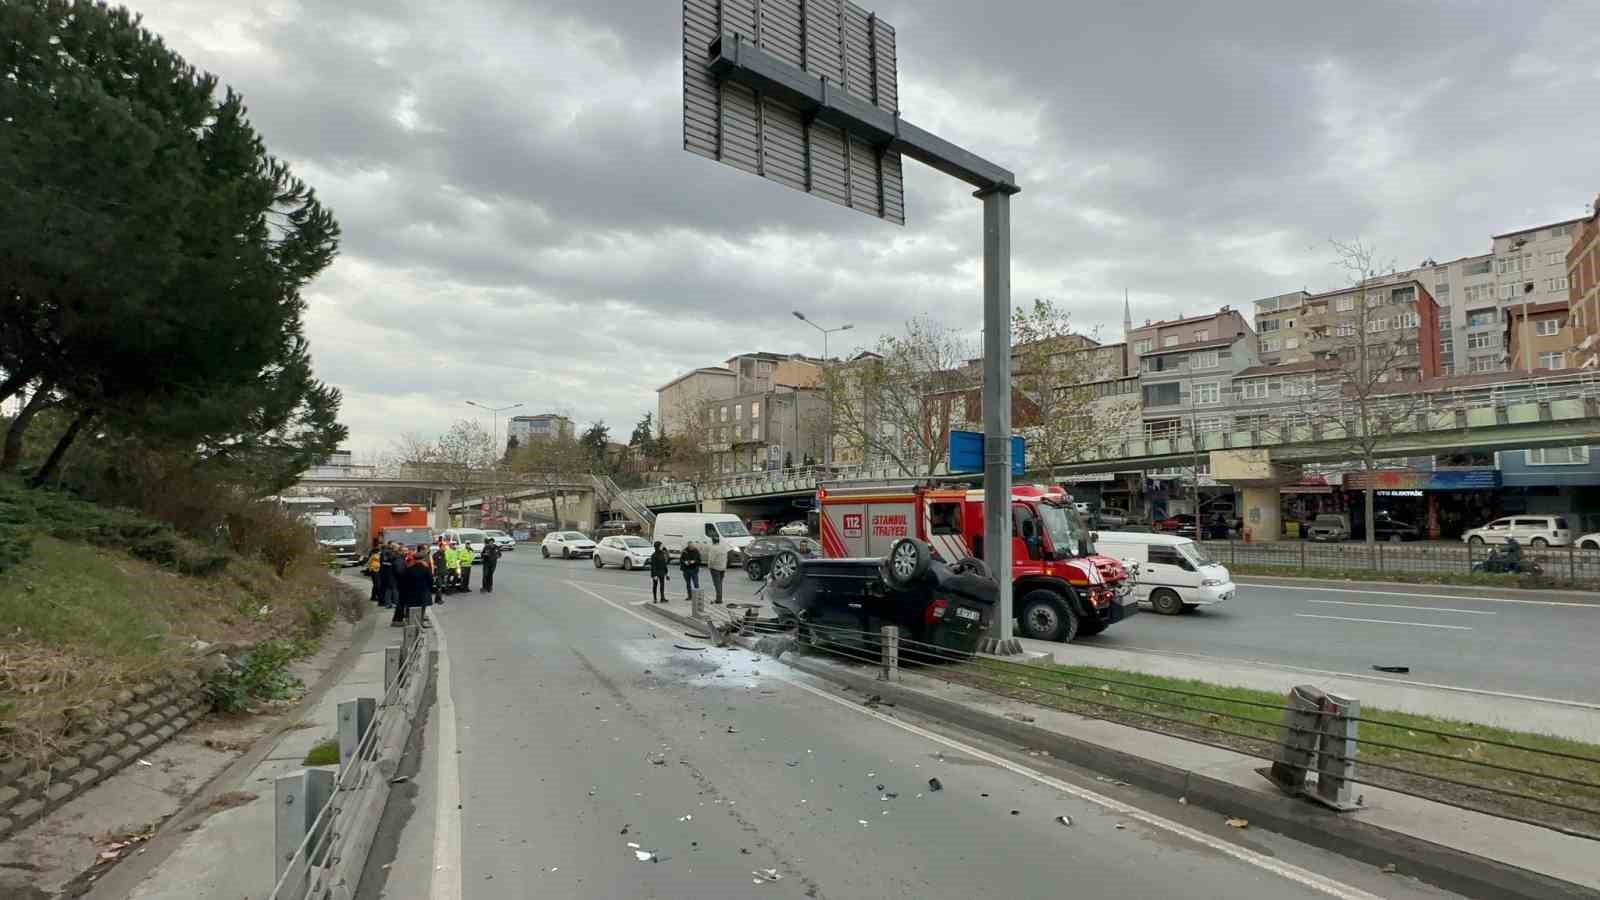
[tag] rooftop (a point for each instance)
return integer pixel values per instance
(1194, 345)
(703, 370)
(1310, 365)
(1226, 310)
(1540, 227)
(1533, 309)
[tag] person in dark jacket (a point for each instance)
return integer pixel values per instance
(689, 561)
(440, 573)
(491, 558)
(416, 588)
(389, 566)
(658, 574)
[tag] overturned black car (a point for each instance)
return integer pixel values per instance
(941, 609)
(759, 556)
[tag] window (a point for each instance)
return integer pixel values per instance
(1555, 258)
(1447, 368)
(1484, 364)
(1558, 456)
(1374, 299)
(1403, 295)
(1291, 343)
(1344, 304)
(1476, 317)
(1170, 341)
(1408, 320)
(1556, 284)
(1298, 387)
(1344, 329)
(1561, 230)
(1441, 291)
(1209, 424)
(1376, 325)
(1267, 325)
(1207, 392)
(1266, 305)
(1507, 291)
(1444, 314)
(738, 413)
(1270, 345)
(1205, 360)
(1479, 293)
(1161, 394)
(755, 409)
(1202, 335)
(1547, 327)
(1253, 389)
(1143, 346)
(1554, 359)
(1480, 267)
(1482, 340)
(755, 430)
(724, 414)
(1168, 556)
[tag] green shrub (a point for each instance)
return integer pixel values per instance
(261, 674)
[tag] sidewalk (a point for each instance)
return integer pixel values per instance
(1577, 721)
(227, 852)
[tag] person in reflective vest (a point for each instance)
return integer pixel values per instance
(467, 560)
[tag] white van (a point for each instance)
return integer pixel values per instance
(473, 538)
(1175, 573)
(675, 531)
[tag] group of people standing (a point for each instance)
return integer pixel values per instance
(405, 579)
(690, 559)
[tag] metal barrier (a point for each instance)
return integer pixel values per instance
(1557, 566)
(325, 822)
(1313, 732)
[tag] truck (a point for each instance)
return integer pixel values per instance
(405, 523)
(335, 533)
(1063, 589)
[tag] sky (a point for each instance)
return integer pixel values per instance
(522, 224)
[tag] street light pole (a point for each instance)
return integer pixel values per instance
(827, 448)
(495, 411)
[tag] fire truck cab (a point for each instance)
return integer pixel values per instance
(1062, 588)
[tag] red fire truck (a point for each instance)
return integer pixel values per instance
(1062, 588)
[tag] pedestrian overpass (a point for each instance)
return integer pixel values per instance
(577, 490)
(1560, 410)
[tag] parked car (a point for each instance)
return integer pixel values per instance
(625, 551)
(1175, 573)
(566, 544)
(506, 541)
(1394, 531)
(615, 526)
(941, 610)
(1590, 541)
(472, 538)
(760, 554)
(1329, 527)
(1530, 531)
(1110, 518)
(1181, 524)
(797, 528)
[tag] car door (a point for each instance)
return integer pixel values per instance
(1525, 530)
(1497, 531)
(1167, 568)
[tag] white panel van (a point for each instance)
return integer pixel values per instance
(1175, 573)
(675, 530)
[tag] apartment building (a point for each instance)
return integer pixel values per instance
(1583, 290)
(1165, 335)
(679, 401)
(1191, 381)
(1302, 327)
(531, 428)
(758, 372)
(1538, 336)
(766, 429)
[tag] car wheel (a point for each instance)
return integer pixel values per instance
(1591, 545)
(907, 560)
(1395, 538)
(1476, 540)
(753, 569)
(1044, 616)
(971, 565)
(566, 552)
(1166, 601)
(1541, 543)
(627, 563)
(598, 562)
(545, 550)
(784, 569)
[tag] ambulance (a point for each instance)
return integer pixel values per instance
(1061, 588)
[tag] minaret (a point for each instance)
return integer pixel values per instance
(1127, 315)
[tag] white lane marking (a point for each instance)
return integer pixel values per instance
(1266, 863)
(1361, 675)
(653, 623)
(1385, 622)
(1332, 590)
(1466, 612)
(447, 807)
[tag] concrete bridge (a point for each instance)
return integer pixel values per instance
(578, 490)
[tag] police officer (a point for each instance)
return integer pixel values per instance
(466, 559)
(491, 558)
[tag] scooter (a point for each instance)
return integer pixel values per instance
(1507, 563)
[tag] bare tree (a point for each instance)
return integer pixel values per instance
(551, 463)
(1379, 357)
(463, 455)
(1057, 373)
(412, 455)
(896, 402)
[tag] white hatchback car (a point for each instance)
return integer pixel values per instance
(626, 551)
(1590, 541)
(567, 545)
(797, 528)
(1530, 531)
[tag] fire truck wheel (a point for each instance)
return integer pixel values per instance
(784, 569)
(971, 565)
(906, 562)
(1043, 615)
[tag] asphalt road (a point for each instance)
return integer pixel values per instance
(1511, 643)
(572, 727)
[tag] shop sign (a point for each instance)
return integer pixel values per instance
(1408, 480)
(1086, 478)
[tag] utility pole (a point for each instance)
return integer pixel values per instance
(494, 436)
(827, 448)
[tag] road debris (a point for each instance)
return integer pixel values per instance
(146, 762)
(1016, 812)
(791, 763)
(625, 829)
(862, 822)
(402, 779)
(1020, 717)
(1119, 826)
(1238, 823)
(1398, 670)
(935, 784)
(1117, 782)
(687, 647)
(1183, 801)
(1389, 869)
(1064, 820)
(733, 729)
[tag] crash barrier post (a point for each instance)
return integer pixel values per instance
(697, 603)
(890, 653)
(355, 717)
(326, 820)
(1299, 743)
(297, 798)
(1336, 759)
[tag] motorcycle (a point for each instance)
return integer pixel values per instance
(1509, 562)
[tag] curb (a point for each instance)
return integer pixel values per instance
(1576, 595)
(1436, 864)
